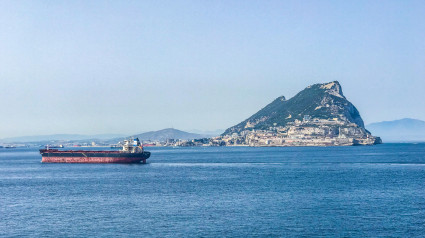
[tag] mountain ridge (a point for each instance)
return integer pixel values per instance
(168, 133)
(319, 115)
(322, 101)
(160, 135)
(401, 130)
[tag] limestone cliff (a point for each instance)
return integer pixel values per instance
(319, 111)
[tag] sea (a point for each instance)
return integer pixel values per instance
(357, 191)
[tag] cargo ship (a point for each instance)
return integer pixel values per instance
(130, 153)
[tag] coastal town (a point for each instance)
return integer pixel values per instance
(309, 132)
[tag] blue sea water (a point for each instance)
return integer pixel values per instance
(363, 191)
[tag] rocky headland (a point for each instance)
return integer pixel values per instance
(319, 115)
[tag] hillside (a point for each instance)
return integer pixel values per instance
(403, 130)
(168, 133)
(319, 115)
(320, 101)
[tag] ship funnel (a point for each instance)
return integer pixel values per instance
(136, 142)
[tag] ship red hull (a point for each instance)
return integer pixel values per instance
(86, 156)
(92, 160)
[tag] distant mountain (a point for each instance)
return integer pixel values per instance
(210, 133)
(168, 133)
(160, 135)
(320, 101)
(403, 130)
(60, 137)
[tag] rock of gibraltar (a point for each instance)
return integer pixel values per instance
(319, 115)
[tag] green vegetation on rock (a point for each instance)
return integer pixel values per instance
(318, 101)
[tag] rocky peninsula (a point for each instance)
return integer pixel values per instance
(319, 115)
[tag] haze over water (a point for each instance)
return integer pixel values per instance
(124, 67)
(374, 191)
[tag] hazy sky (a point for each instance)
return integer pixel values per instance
(130, 66)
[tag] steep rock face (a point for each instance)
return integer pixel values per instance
(319, 101)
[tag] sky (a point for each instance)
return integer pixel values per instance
(95, 67)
